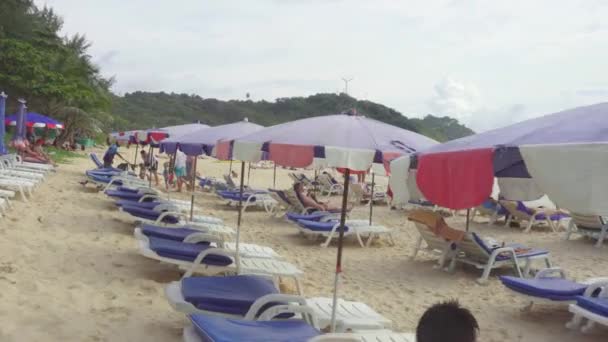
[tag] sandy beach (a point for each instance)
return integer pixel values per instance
(70, 271)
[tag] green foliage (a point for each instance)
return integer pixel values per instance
(54, 74)
(144, 109)
(61, 156)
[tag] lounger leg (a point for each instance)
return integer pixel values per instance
(575, 323)
(530, 224)
(569, 230)
(417, 247)
(527, 267)
(600, 239)
(587, 328)
(508, 221)
(493, 218)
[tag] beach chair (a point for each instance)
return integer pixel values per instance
(258, 198)
(549, 285)
(473, 250)
(282, 206)
(359, 228)
(22, 187)
(318, 216)
(435, 244)
(245, 296)
(366, 336)
(209, 260)
(213, 229)
(168, 214)
(518, 212)
(200, 240)
(206, 328)
(490, 209)
(17, 162)
(327, 186)
(96, 160)
(591, 306)
(590, 226)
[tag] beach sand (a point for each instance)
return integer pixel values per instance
(70, 271)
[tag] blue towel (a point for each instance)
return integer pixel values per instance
(220, 329)
(124, 194)
(314, 216)
(186, 251)
(320, 226)
(230, 295)
(596, 305)
(175, 234)
(149, 214)
(550, 288)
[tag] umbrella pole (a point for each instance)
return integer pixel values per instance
(468, 212)
(149, 156)
(230, 171)
(238, 220)
(192, 184)
(248, 172)
(136, 150)
(340, 241)
(274, 176)
(314, 183)
(371, 200)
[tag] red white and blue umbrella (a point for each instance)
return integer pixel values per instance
(563, 155)
(34, 120)
(346, 141)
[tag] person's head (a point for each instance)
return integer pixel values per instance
(298, 187)
(142, 153)
(447, 322)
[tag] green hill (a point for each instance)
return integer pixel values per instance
(145, 109)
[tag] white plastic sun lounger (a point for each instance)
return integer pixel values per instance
(590, 226)
(17, 186)
(434, 244)
(219, 241)
(208, 228)
(590, 308)
(16, 162)
(184, 219)
(366, 336)
(358, 228)
(350, 315)
(248, 265)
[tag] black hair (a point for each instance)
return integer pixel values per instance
(447, 322)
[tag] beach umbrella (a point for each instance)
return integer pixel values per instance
(203, 140)
(34, 120)
(181, 130)
(3, 97)
(20, 122)
(563, 155)
(347, 141)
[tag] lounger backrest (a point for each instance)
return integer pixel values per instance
(515, 209)
(587, 221)
(292, 197)
(474, 248)
(324, 180)
(96, 160)
(433, 241)
(229, 181)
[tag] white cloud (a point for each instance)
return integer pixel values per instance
(455, 98)
(498, 53)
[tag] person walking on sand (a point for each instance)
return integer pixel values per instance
(180, 169)
(151, 165)
(111, 152)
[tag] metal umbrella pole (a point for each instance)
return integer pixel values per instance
(248, 172)
(230, 171)
(340, 243)
(468, 219)
(136, 150)
(192, 185)
(371, 200)
(238, 220)
(149, 160)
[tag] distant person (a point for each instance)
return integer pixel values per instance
(309, 201)
(447, 322)
(111, 152)
(150, 164)
(180, 168)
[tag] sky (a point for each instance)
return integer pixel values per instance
(486, 63)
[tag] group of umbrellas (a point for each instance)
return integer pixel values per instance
(564, 155)
(22, 120)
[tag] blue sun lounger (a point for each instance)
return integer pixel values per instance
(248, 296)
(313, 216)
(219, 329)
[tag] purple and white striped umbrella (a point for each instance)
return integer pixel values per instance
(563, 155)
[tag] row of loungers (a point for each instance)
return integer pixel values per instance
(588, 299)
(219, 306)
(19, 177)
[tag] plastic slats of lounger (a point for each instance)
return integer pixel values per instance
(319, 226)
(186, 251)
(175, 234)
(351, 315)
(123, 194)
(314, 216)
(219, 329)
(587, 221)
(268, 266)
(230, 295)
(531, 252)
(550, 288)
(596, 305)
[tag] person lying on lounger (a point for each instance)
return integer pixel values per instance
(309, 201)
(447, 322)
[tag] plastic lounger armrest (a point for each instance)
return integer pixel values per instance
(254, 310)
(544, 273)
(199, 259)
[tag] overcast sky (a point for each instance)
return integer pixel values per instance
(487, 63)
